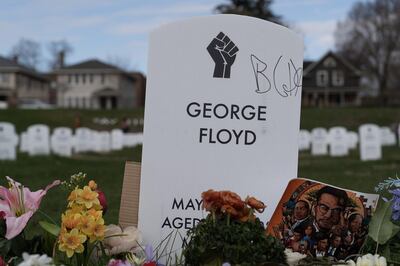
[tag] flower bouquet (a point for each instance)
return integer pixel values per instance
(231, 233)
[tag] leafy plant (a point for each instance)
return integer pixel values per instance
(231, 233)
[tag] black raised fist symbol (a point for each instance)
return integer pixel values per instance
(223, 51)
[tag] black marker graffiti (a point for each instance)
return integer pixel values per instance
(286, 84)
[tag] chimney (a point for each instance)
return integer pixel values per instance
(61, 57)
(15, 59)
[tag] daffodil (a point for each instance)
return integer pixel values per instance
(71, 242)
(88, 197)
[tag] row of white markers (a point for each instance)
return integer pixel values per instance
(37, 140)
(338, 141)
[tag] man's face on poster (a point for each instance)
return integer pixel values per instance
(322, 245)
(300, 210)
(327, 211)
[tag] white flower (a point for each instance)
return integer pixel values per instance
(117, 240)
(36, 260)
(368, 260)
(293, 258)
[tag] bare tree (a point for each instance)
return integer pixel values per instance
(58, 50)
(254, 8)
(370, 37)
(27, 52)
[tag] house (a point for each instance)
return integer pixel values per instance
(330, 81)
(93, 84)
(19, 83)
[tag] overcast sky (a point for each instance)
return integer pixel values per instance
(107, 29)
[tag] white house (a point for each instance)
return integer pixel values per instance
(93, 84)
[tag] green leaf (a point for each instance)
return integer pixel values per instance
(51, 228)
(381, 228)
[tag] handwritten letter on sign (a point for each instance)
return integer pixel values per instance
(222, 112)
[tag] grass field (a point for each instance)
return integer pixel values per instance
(107, 169)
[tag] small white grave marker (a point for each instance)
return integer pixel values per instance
(338, 142)
(304, 140)
(387, 136)
(352, 138)
(370, 142)
(8, 141)
(38, 140)
(83, 140)
(62, 141)
(319, 141)
(117, 139)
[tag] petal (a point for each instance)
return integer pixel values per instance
(33, 199)
(15, 225)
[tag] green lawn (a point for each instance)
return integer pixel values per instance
(107, 169)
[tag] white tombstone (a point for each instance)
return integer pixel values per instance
(304, 140)
(388, 137)
(8, 141)
(83, 140)
(370, 142)
(102, 141)
(338, 142)
(352, 138)
(117, 139)
(62, 141)
(398, 133)
(319, 141)
(24, 143)
(38, 140)
(222, 112)
(133, 139)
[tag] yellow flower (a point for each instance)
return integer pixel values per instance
(98, 231)
(70, 220)
(92, 185)
(75, 208)
(95, 213)
(71, 242)
(88, 198)
(87, 224)
(74, 194)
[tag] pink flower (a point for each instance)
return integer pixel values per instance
(19, 204)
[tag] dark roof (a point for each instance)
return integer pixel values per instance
(11, 65)
(306, 63)
(310, 67)
(92, 64)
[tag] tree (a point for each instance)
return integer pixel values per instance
(28, 53)
(58, 50)
(370, 37)
(255, 8)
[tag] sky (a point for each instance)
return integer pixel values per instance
(117, 31)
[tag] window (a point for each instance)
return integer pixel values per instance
(5, 78)
(329, 62)
(103, 78)
(90, 78)
(83, 78)
(337, 78)
(69, 78)
(76, 78)
(322, 78)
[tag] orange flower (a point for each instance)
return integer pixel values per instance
(255, 204)
(211, 200)
(233, 199)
